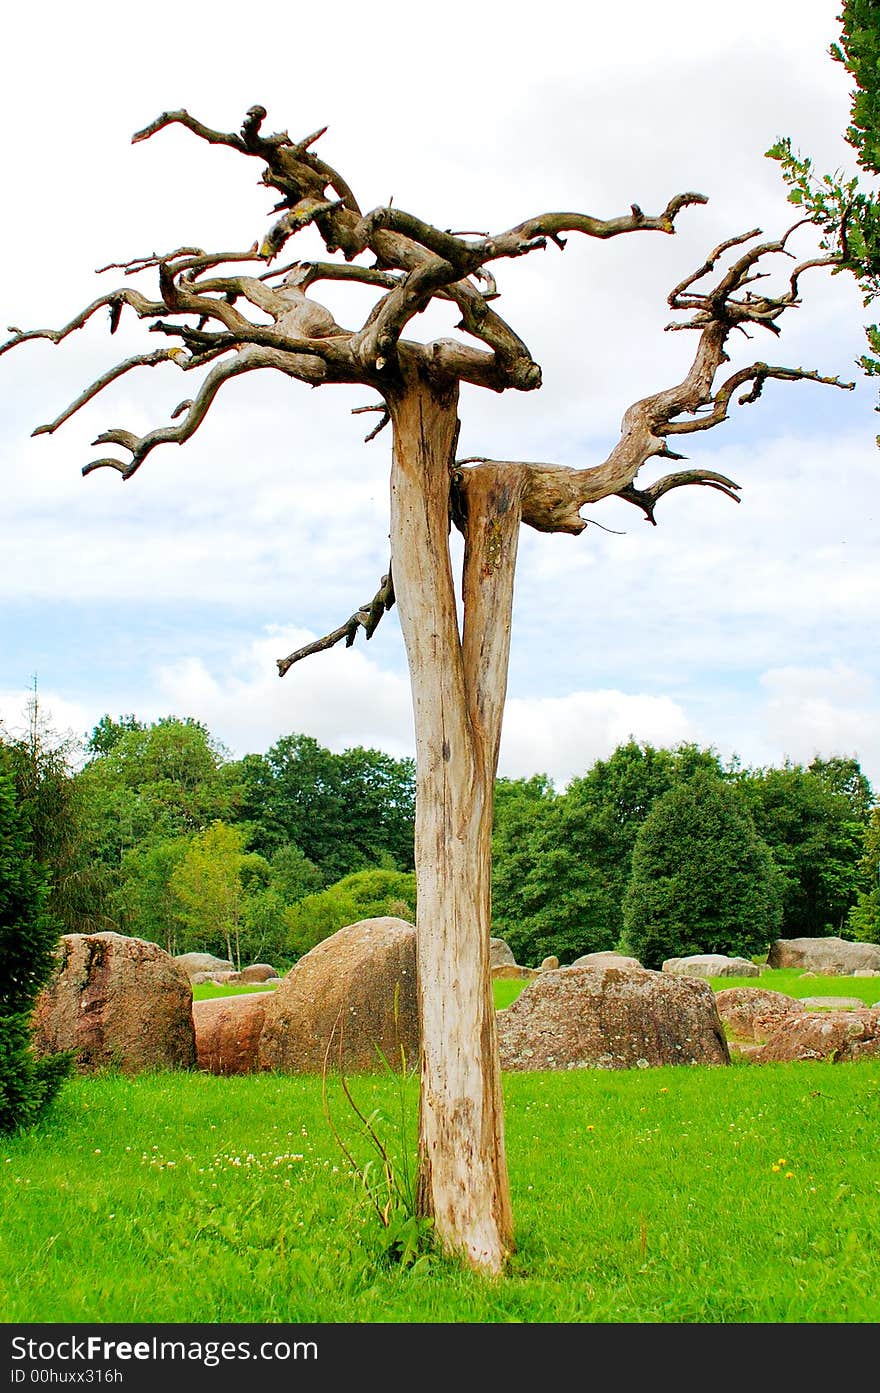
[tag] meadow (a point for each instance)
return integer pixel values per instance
(744, 1194)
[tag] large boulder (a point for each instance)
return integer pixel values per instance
(258, 972)
(834, 957)
(611, 1018)
(119, 1003)
(228, 1030)
(711, 965)
(500, 953)
(513, 971)
(202, 962)
(751, 1013)
(834, 1035)
(340, 996)
(606, 958)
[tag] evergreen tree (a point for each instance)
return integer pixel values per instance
(702, 881)
(28, 937)
(50, 801)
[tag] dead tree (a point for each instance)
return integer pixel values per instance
(232, 312)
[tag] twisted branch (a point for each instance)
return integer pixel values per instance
(202, 306)
(554, 495)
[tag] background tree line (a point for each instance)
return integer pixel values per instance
(153, 830)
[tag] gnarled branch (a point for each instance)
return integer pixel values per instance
(113, 301)
(202, 305)
(647, 498)
(366, 618)
(554, 495)
(247, 360)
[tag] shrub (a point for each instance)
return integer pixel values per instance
(362, 895)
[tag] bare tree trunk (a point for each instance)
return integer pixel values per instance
(458, 690)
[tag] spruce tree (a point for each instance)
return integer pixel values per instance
(28, 937)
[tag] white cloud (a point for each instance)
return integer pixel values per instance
(276, 513)
(823, 711)
(341, 697)
(62, 721)
(563, 736)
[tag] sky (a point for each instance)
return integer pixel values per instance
(750, 628)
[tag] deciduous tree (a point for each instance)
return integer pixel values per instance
(344, 811)
(809, 822)
(234, 311)
(847, 212)
(212, 881)
(362, 895)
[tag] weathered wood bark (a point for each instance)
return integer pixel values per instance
(458, 685)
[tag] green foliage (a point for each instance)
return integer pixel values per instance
(292, 875)
(145, 900)
(562, 861)
(522, 836)
(814, 824)
(149, 794)
(107, 734)
(212, 882)
(344, 812)
(863, 921)
(843, 775)
(51, 802)
(265, 933)
(144, 788)
(703, 880)
(161, 780)
(112, 835)
(29, 935)
(363, 895)
(848, 216)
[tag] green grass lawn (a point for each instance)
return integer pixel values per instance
(793, 981)
(206, 991)
(710, 1195)
(506, 990)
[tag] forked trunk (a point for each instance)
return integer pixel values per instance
(458, 686)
